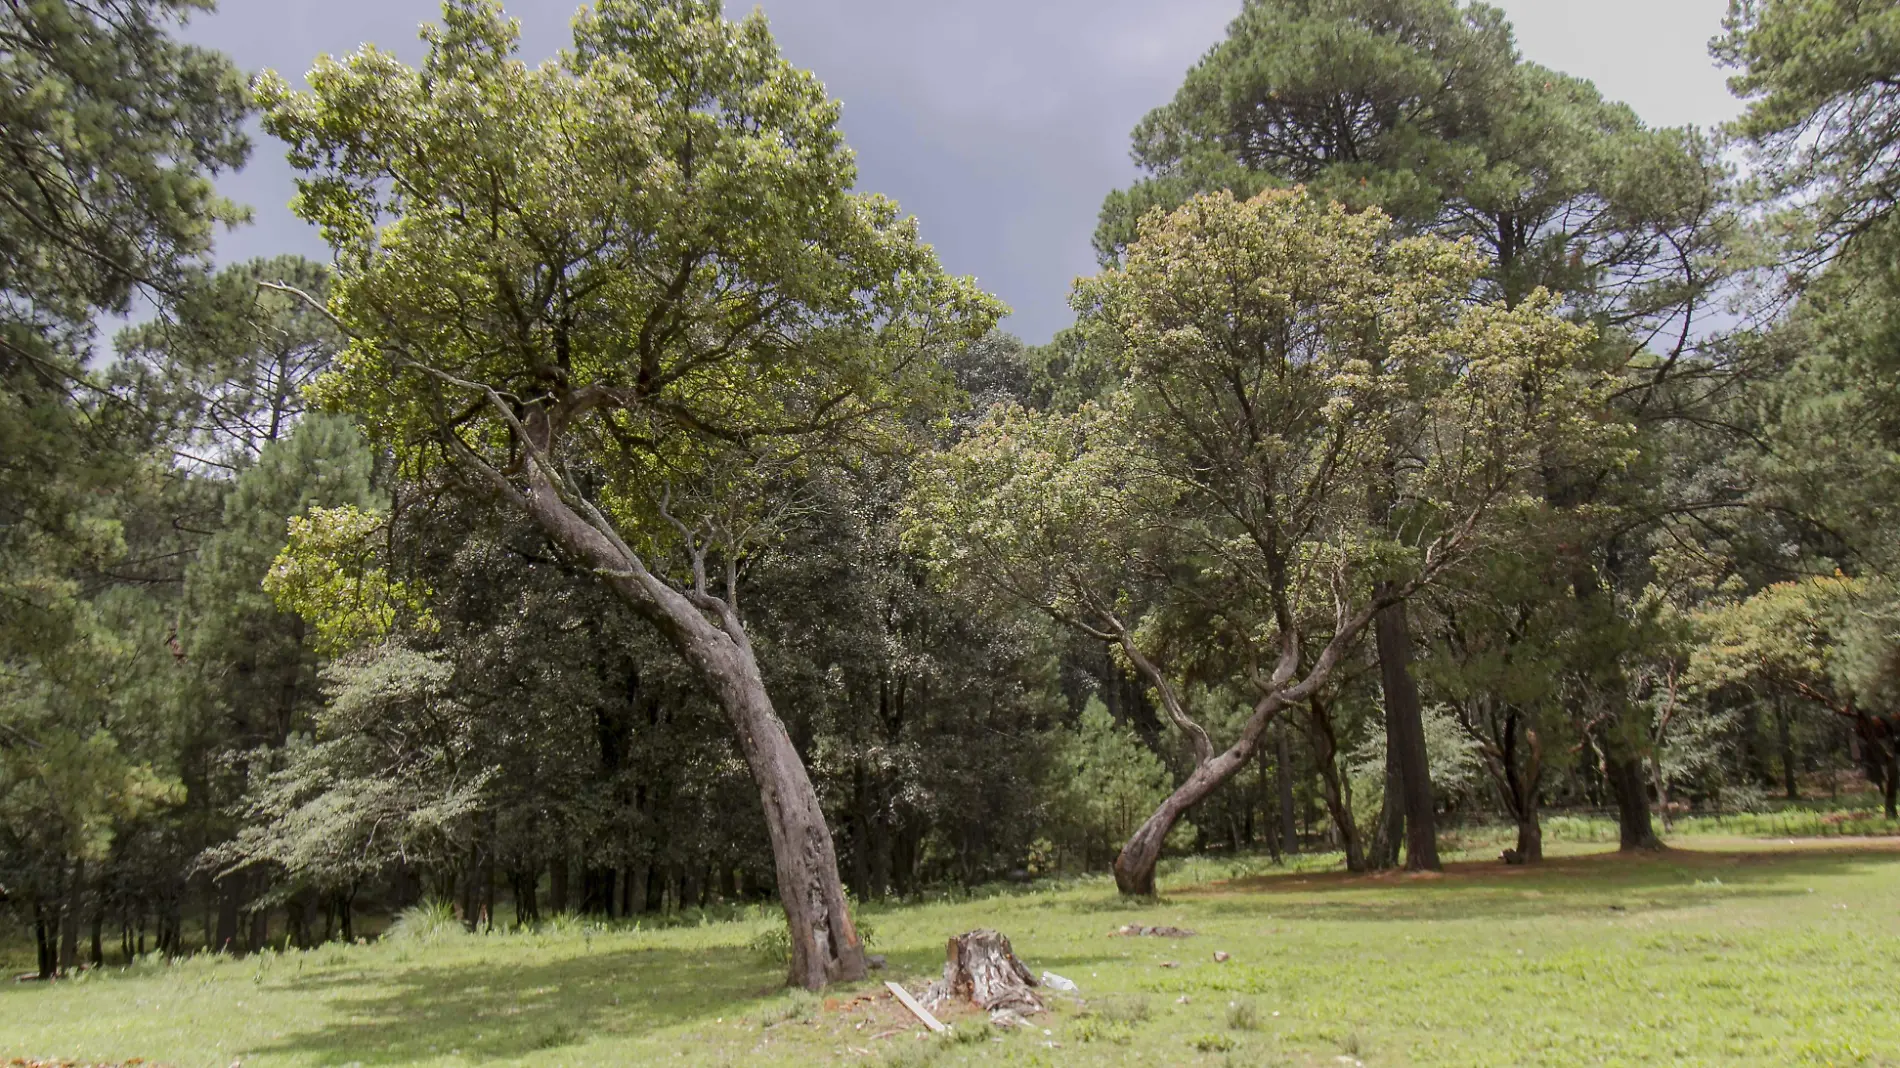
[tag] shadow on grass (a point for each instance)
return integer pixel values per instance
(1589, 884)
(503, 1010)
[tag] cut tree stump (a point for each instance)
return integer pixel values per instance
(981, 966)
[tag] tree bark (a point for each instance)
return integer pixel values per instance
(1334, 789)
(69, 920)
(1890, 787)
(557, 883)
(1785, 729)
(1289, 825)
(260, 930)
(1135, 864)
(46, 938)
(980, 965)
(1383, 852)
(229, 898)
(1637, 833)
(825, 944)
(1405, 731)
(1530, 838)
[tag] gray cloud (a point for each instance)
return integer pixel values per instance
(1001, 124)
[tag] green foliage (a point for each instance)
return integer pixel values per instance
(330, 573)
(387, 775)
(1106, 783)
(1423, 108)
(1788, 637)
(678, 193)
(1818, 79)
(1452, 754)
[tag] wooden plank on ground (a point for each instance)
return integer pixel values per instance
(917, 1010)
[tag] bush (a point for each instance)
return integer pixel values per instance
(429, 921)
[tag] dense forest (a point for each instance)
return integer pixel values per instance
(634, 515)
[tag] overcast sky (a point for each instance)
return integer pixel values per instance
(1000, 124)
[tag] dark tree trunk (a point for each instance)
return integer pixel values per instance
(260, 929)
(1332, 785)
(1383, 851)
(522, 887)
(1530, 838)
(825, 944)
(230, 898)
(486, 874)
(1405, 730)
(300, 917)
(98, 932)
(653, 881)
(557, 883)
(46, 938)
(1890, 787)
(1632, 800)
(1289, 827)
(345, 901)
(470, 902)
(69, 920)
(1785, 729)
(640, 894)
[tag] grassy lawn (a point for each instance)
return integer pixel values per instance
(1721, 952)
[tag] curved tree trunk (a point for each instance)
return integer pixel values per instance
(825, 944)
(1135, 864)
(1338, 801)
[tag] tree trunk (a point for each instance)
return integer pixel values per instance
(1405, 730)
(557, 883)
(69, 920)
(346, 913)
(1530, 838)
(980, 966)
(487, 877)
(1891, 787)
(260, 930)
(1383, 852)
(1632, 800)
(1785, 729)
(1289, 826)
(1135, 864)
(229, 897)
(46, 938)
(825, 944)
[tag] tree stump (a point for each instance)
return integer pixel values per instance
(981, 966)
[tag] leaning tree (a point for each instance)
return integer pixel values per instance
(1290, 369)
(597, 287)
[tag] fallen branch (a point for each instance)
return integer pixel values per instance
(917, 1010)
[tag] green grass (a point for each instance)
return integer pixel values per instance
(1728, 952)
